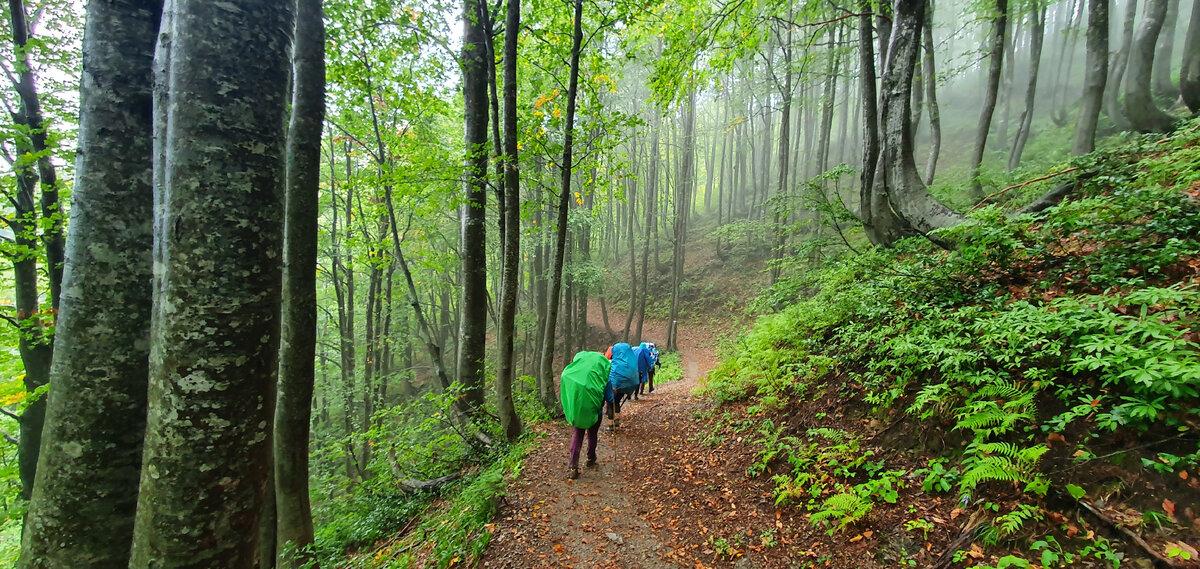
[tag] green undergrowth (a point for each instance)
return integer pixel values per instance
(670, 368)
(381, 520)
(1035, 350)
(455, 530)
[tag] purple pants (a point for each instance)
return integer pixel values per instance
(593, 433)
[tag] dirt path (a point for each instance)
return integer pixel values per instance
(656, 499)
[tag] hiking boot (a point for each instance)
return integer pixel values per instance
(573, 474)
(591, 463)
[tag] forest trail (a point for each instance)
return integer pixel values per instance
(657, 497)
(616, 514)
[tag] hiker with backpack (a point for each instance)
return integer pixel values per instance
(651, 352)
(645, 364)
(624, 379)
(584, 390)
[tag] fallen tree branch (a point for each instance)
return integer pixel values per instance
(1159, 560)
(969, 532)
(429, 485)
(1051, 198)
(1007, 189)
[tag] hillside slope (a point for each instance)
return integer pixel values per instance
(1028, 397)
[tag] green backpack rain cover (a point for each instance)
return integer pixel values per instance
(582, 388)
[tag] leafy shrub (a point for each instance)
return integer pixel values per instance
(1083, 317)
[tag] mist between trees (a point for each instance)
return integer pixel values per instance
(255, 283)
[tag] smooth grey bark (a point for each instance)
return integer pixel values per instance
(901, 205)
(218, 233)
(1164, 86)
(549, 393)
(990, 95)
(1116, 71)
(1141, 110)
(512, 229)
(1094, 79)
(1060, 90)
(870, 111)
(85, 492)
(1037, 31)
(298, 340)
(935, 113)
(651, 206)
(473, 214)
(825, 137)
(1189, 73)
(683, 201)
(631, 211)
(497, 141)
(630, 223)
(781, 189)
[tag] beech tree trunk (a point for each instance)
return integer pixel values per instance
(85, 493)
(901, 205)
(1116, 72)
(549, 392)
(1141, 110)
(293, 404)
(512, 230)
(683, 191)
(935, 113)
(631, 207)
(473, 323)
(1189, 73)
(1037, 31)
(991, 93)
(870, 111)
(781, 189)
(1095, 77)
(218, 235)
(1164, 86)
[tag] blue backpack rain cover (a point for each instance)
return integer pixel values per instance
(624, 374)
(644, 362)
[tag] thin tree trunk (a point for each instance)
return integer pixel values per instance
(1095, 77)
(1164, 86)
(991, 92)
(501, 181)
(785, 126)
(1116, 72)
(34, 121)
(473, 322)
(870, 111)
(1037, 32)
(293, 409)
(651, 205)
(630, 193)
(683, 187)
(509, 420)
(215, 337)
(549, 395)
(935, 113)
